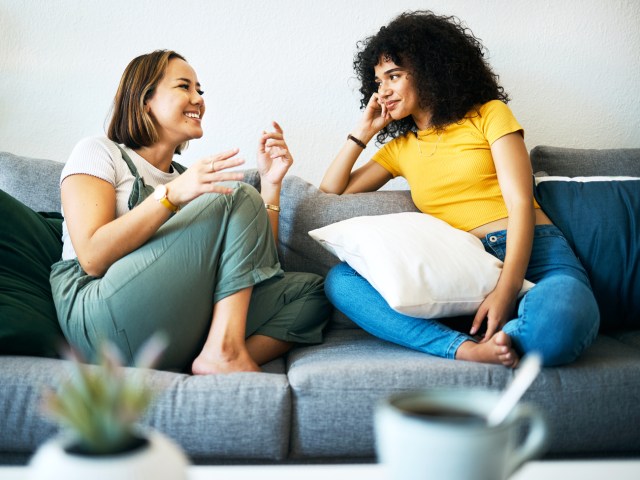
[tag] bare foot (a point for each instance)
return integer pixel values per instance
(217, 362)
(496, 350)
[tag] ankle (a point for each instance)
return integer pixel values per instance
(223, 350)
(464, 351)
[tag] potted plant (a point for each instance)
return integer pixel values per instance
(99, 408)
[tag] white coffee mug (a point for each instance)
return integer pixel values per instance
(442, 434)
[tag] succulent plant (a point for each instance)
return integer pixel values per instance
(100, 405)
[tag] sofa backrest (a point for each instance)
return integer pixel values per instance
(304, 207)
(577, 162)
(35, 182)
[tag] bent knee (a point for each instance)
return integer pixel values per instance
(245, 192)
(245, 204)
(337, 281)
(306, 283)
(211, 203)
(339, 272)
(567, 314)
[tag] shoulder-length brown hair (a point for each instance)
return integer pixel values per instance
(130, 124)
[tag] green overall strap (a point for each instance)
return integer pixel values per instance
(140, 189)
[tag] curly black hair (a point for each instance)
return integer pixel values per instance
(447, 63)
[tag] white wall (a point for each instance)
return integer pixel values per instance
(572, 68)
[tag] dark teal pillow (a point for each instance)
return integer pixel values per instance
(600, 216)
(29, 244)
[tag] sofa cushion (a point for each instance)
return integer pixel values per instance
(225, 417)
(33, 181)
(29, 245)
(336, 385)
(599, 218)
(422, 266)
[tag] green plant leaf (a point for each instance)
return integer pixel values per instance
(101, 404)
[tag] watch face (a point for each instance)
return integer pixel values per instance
(160, 192)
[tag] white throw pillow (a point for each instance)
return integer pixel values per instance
(422, 266)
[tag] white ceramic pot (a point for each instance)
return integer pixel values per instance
(160, 459)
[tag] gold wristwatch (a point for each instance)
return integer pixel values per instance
(160, 194)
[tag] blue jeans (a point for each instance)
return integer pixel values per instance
(558, 318)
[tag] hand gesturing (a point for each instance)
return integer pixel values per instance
(274, 158)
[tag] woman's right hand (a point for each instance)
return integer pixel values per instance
(100, 239)
(339, 177)
(204, 176)
(375, 117)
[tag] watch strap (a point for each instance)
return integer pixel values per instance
(167, 203)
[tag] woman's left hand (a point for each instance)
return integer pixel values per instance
(497, 308)
(274, 158)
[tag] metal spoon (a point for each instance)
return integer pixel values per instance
(527, 373)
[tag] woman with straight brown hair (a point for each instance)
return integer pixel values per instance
(150, 245)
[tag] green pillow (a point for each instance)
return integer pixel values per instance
(29, 244)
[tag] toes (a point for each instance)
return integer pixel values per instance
(502, 339)
(508, 359)
(502, 350)
(505, 355)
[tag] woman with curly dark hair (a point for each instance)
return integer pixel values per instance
(429, 92)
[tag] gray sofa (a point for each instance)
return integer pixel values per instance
(316, 404)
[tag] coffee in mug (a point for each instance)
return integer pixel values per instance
(443, 434)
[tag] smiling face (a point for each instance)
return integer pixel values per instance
(398, 92)
(176, 105)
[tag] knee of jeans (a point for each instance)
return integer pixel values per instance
(336, 282)
(568, 322)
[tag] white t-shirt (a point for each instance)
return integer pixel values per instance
(101, 158)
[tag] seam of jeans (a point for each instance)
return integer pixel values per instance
(453, 346)
(588, 340)
(524, 304)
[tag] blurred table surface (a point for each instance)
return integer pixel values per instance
(536, 470)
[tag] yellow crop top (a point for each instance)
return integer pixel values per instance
(452, 175)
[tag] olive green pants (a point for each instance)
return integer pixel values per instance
(214, 247)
